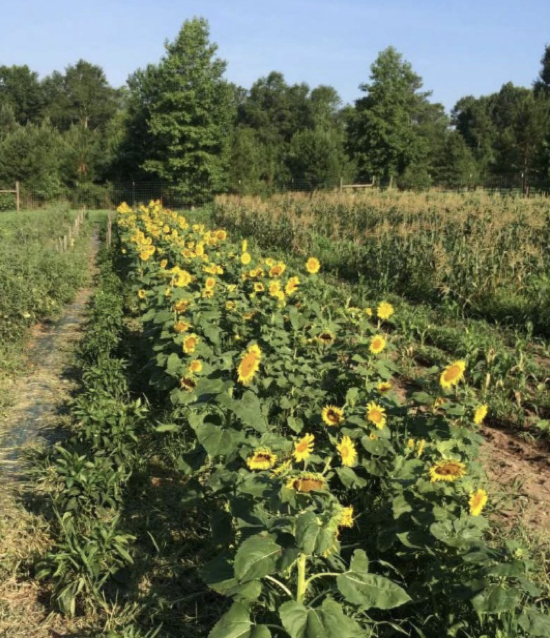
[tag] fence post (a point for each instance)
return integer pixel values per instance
(17, 196)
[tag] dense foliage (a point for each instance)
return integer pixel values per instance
(338, 504)
(180, 122)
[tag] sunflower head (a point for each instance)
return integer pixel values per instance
(385, 310)
(326, 338)
(306, 482)
(292, 285)
(188, 384)
(249, 365)
(447, 470)
(377, 344)
(480, 414)
(477, 502)
(304, 447)
(313, 265)
(195, 366)
(345, 519)
(332, 415)
(261, 459)
(376, 414)
(452, 374)
(190, 343)
(347, 451)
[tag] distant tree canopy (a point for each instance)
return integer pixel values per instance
(180, 121)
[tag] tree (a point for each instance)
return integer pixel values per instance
(542, 84)
(316, 158)
(186, 106)
(80, 96)
(32, 154)
(21, 91)
(383, 132)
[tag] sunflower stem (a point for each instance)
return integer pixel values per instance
(301, 588)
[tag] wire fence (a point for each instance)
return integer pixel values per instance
(109, 196)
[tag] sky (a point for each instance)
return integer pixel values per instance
(466, 47)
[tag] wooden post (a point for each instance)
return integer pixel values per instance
(17, 196)
(341, 184)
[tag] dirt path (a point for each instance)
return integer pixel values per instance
(519, 469)
(38, 403)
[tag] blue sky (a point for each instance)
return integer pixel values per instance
(457, 47)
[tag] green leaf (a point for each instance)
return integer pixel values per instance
(359, 562)
(349, 478)
(173, 365)
(307, 532)
(167, 427)
(256, 558)
(327, 621)
(535, 623)
(235, 623)
(216, 440)
(496, 599)
(370, 590)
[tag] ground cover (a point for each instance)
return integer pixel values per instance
(311, 494)
(441, 318)
(37, 279)
(236, 461)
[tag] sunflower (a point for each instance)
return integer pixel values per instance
(259, 287)
(210, 282)
(277, 270)
(447, 470)
(332, 415)
(368, 312)
(190, 343)
(182, 326)
(142, 294)
(306, 482)
(164, 263)
(262, 459)
(245, 259)
(182, 279)
(377, 344)
(347, 450)
(480, 414)
(376, 414)
(292, 285)
(286, 465)
(477, 502)
(207, 293)
(247, 316)
(304, 447)
(249, 365)
(195, 366)
(345, 518)
(385, 310)
(244, 245)
(313, 265)
(326, 338)
(274, 288)
(230, 305)
(383, 387)
(420, 447)
(221, 235)
(452, 374)
(188, 384)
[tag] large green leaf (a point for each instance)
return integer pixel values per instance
(256, 558)
(496, 599)
(236, 623)
(535, 623)
(308, 530)
(370, 590)
(217, 440)
(327, 621)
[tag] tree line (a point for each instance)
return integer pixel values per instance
(182, 123)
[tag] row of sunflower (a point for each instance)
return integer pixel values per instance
(335, 493)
